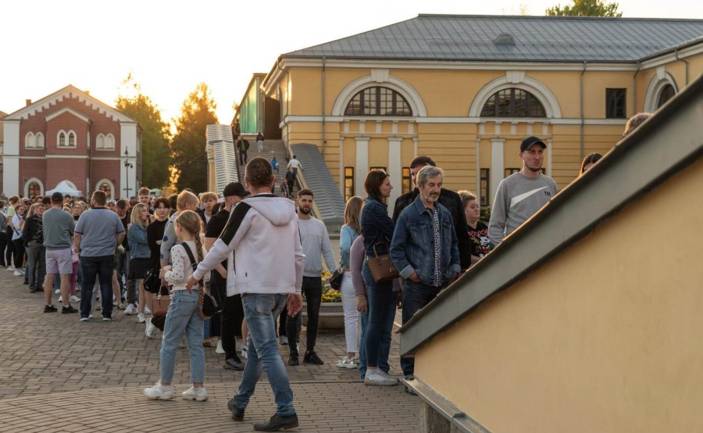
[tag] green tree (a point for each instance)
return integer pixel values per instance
(586, 8)
(188, 145)
(156, 155)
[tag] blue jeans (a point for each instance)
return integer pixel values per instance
(92, 268)
(182, 318)
(260, 312)
(415, 297)
(381, 300)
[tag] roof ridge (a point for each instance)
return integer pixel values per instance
(560, 17)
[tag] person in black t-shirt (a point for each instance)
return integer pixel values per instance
(232, 310)
(480, 245)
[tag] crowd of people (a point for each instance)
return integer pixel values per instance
(258, 254)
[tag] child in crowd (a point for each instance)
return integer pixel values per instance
(183, 317)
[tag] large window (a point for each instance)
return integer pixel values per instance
(407, 181)
(66, 139)
(378, 101)
(513, 102)
(484, 186)
(348, 183)
(667, 92)
(615, 103)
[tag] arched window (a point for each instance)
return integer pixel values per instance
(100, 141)
(513, 102)
(71, 139)
(667, 92)
(61, 141)
(110, 142)
(39, 140)
(378, 101)
(107, 187)
(33, 188)
(29, 141)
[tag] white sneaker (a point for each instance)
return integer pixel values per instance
(147, 311)
(75, 299)
(193, 393)
(141, 318)
(160, 392)
(243, 352)
(346, 363)
(150, 329)
(283, 340)
(219, 349)
(11, 268)
(377, 377)
(130, 310)
(18, 273)
(57, 292)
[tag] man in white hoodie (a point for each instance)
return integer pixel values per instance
(268, 272)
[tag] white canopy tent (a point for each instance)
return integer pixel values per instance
(66, 188)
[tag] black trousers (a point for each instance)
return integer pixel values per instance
(4, 239)
(18, 252)
(231, 317)
(312, 289)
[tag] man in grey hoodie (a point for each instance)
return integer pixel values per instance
(521, 194)
(267, 271)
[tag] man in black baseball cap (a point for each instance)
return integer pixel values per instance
(521, 194)
(232, 311)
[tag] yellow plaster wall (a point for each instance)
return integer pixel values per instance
(604, 338)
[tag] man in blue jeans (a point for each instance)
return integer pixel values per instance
(262, 230)
(97, 234)
(424, 249)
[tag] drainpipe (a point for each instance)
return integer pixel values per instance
(634, 88)
(582, 145)
(322, 102)
(685, 62)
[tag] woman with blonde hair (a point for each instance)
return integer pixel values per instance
(183, 317)
(139, 257)
(350, 230)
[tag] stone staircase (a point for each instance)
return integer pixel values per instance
(329, 204)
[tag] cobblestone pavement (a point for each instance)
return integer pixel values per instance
(59, 374)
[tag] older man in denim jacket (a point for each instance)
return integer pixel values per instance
(424, 248)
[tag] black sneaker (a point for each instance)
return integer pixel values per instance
(68, 310)
(50, 309)
(277, 423)
(237, 413)
(293, 361)
(234, 363)
(312, 358)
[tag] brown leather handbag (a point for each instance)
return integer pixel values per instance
(381, 267)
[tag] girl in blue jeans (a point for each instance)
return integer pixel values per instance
(183, 317)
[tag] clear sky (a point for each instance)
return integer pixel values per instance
(170, 46)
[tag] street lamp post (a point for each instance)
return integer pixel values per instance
(127, 166)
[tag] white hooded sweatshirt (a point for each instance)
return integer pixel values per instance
(268, 256)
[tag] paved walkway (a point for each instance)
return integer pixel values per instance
(58, 374)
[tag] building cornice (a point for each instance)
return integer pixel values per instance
(453, 120)
(67, 110)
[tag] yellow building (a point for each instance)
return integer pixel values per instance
(588, 317)
(467, 89)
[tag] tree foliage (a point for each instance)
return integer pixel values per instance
(586, 8)
(156, 156)
(188, 145)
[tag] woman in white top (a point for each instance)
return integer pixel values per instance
(17, 241)
(183, 317)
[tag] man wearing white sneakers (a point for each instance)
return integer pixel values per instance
(58, 229)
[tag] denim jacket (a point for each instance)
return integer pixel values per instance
(346, 239)
(376, 226)
(138, 244)
(412, 249)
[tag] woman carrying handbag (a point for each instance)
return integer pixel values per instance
(184, 314)
(377, 229)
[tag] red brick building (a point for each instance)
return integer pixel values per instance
(70, 136)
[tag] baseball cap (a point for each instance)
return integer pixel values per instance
(235, 188)
(531, 141)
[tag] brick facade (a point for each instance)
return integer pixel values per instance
(84, 123)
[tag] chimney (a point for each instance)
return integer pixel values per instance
(28, 102)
